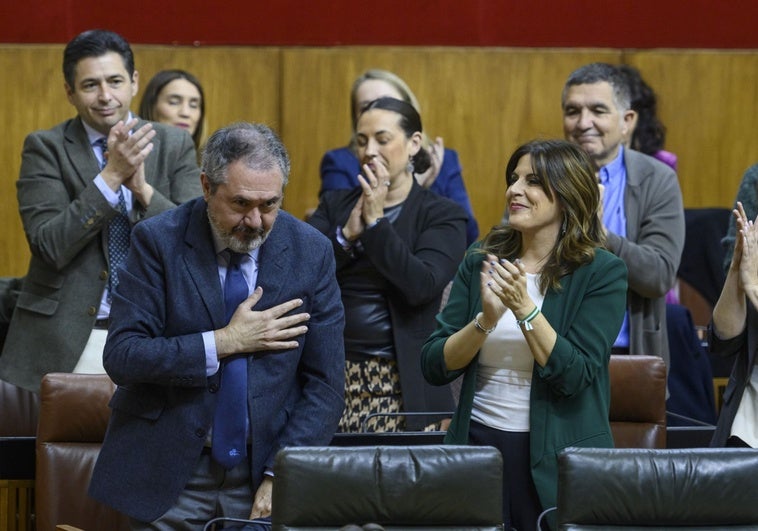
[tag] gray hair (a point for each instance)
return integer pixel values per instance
(256, 145)
(597, 73)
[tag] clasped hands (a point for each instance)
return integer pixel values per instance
(252, 331)
(125, 161)
(370, 205)
(503, 287)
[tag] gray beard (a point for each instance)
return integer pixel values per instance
(252, 238)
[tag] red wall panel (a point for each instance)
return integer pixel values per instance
(534, 23)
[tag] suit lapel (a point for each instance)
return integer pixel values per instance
(200, 261)
(79, 152)
(270, 270)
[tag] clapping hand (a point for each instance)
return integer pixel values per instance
(126, 151)
(437, 156)
(746, 253)
(375, 184)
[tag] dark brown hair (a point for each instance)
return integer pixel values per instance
(154, 87)
(567, 175)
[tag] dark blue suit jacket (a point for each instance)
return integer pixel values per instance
(169, 293)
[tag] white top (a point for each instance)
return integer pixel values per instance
(504, 378)
(745, 425)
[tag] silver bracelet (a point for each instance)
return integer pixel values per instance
(479, 326)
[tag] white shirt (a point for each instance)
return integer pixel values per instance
(504, 376)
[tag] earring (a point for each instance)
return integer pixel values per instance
(410, 167)
(563, 228)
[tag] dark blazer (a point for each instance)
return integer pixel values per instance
(418, 254)
(570, 395)
(340, 169)
(64, 215)
(744, 347)
(169, 294)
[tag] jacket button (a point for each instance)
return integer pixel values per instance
(91, 311)
(200, 432)
(103, 275)
(213, 388)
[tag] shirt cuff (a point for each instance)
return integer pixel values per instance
(108, 193)
(344, 243)
(211, 354)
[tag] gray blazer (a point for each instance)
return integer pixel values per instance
(651, 250)
(63, 215)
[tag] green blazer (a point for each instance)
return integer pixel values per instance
(570, 396)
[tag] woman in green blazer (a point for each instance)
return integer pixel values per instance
(532, 315)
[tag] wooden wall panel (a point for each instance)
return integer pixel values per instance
(31, 97)
(709, 104)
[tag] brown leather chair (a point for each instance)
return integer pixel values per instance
(73, 418)
(638, 401)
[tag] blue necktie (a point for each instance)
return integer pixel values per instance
(229, 440)
(118, 231)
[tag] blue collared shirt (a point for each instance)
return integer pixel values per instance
(613, 177)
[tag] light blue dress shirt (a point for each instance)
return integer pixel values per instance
(613, 177)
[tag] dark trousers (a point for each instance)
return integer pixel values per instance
(521, 504)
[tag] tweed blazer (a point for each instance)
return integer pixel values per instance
(64, 214)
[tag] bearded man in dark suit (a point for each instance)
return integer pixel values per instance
(181, 346)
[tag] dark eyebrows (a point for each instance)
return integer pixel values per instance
(593, 106)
